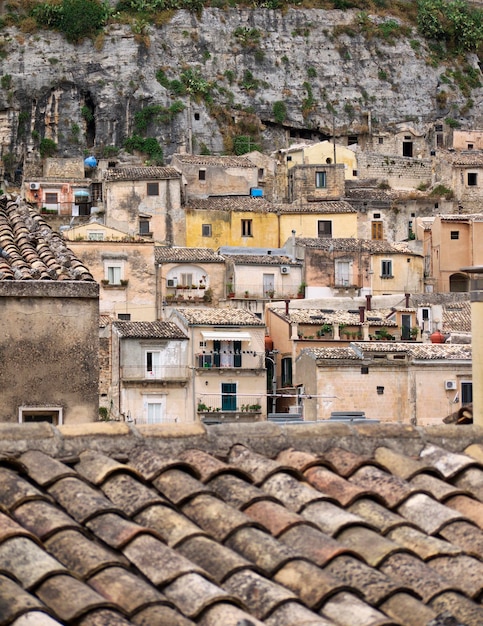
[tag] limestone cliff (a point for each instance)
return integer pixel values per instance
(264, 73)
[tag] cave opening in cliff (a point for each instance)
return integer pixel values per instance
(88, 112)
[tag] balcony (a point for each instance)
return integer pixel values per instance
(229, 360)
(221, 408)
(157, 375)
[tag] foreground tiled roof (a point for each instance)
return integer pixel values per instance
(241, 525)
(219, 316)
(231, 203)
(466, 159)
(465, 218)
(215, 161)
(186, 255)
(263, 259)
(415, 351)
(372, 246)
(140, 173)
(149, 330)
(31, 250)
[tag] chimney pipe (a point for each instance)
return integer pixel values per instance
(368, 301)
(287, 303)
(362, 310)
(407, 296)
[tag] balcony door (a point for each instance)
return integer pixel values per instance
(228, 396)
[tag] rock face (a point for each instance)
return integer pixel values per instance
(85, 97)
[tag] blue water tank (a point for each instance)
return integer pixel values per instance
(256, 192)
(90, 161)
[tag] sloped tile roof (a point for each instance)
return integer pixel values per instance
(140, 173)
(231, 203)
(372, 246)
(466, 159)
(31, 250)
(149, 330)
(238, 524)
(219, 317)
(216, 161)
(263, 259)
(419, 351)
(467, 217)
(186, 255)
(457, 317)
(329, 206)
(317, 317)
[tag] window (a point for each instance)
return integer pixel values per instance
(377, 216)
(287, 372)
(205, 360)
(320, 180)
(466, 393)
(51, 198)
(197, 116)
(376, 230)
(206, 230)
(228, 396)
(364, 369)
(407, 148)
(144, 227)
(153, 362)
(50, 414)
(342, 272)
(186, 280)
(289, 158)
(438, 128)
(227, 354)
(124, 316)
(261, 173)
(95, 235)
(470, 146)
(96, 193)
(386, 269)
(381, 140)
(472, 179)
(455, 234)
(114, 274)
(324, 228)
(202, 175)
(246, 228)
(152, 189)
(154, 412)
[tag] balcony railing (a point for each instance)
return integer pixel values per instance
(228, 402)
(157, 373)
(223, 360)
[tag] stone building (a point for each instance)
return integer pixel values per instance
(49, 345)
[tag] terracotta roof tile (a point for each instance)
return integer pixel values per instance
(348, 244)
(326, 206)
(31, 250)
(331, 519)
(148, 330)
(186, 255)
(470, 508)
(428, 514)
(419, 543)
(475, 450)
(466, 536)
(140, 173)
(458, 605)
(371, 546)
(346, 608)
(219, 317)
(472, 481)
(244, 523)
(257, 546)
(229, 204)
(213, 160)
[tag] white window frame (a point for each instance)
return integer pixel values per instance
(156, 368)
(114, 273)
(95, 235)
(321, 179)
(25, 409)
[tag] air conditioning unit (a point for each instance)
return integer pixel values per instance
(34, 186)
(172, 282)
(449, 385)
(284, 269)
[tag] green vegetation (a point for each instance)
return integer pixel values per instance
(148, 146)
(47, 147)
(442, 191)
(243, 144)
(76, 19)
(279, 111)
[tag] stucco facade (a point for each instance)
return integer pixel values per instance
(126, 273)
(315, 182)
(452, 242)
(150, 374)
(334, 218)
(49, 350)
(396, 383)
(145, 201)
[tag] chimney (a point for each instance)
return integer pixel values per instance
(407, 296)
(368, 302)
(287, 303)
(362, 310)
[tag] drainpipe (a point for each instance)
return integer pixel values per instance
(407, 296)
(476, 297)
(368, 302)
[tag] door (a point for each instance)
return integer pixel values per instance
(268, 284)
(406, 327)
(228, 396)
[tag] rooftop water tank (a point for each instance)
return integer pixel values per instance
(256, 192)
(90, 161)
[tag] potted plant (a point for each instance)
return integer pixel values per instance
(413, 333)
(270, 293)
(324, 329)
(246, 293)
(301, 290)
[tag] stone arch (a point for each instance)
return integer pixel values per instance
(458, 282)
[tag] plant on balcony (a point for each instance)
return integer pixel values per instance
(202, 407)
(208, 295)
(413, 333)
(324, 329)
(270, 293)
(301, 290)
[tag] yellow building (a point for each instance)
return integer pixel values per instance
(336, 219)
(231, 221)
